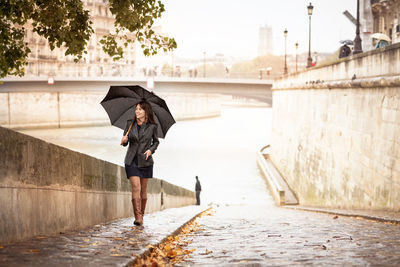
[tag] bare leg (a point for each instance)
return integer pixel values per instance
(136, 202)
(135, 183)
(143, 193)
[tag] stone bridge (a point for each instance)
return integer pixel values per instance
(32, 103)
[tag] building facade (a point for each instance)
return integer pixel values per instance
(386, 18)
(44, 62)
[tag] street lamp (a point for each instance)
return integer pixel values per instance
(285, 34)
(297, 46)
(309, 59)
(204, 68)
(357, 40)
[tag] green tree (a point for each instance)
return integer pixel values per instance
(213, 70)
(251, 68)
(66, 23)
(166, 70)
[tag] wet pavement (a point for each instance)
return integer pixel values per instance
(265, 235)
(113, 244)
(246, 229)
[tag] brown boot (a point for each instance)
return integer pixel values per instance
(143, 205)
(137, 211)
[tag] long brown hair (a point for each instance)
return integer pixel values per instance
(148, 111)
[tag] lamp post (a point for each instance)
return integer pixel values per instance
(297, 46)
(172, 64)
(309, 59)
(357, 40)
(204, 68)
(285, 69)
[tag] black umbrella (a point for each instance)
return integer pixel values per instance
(347, 42)
(120, 103)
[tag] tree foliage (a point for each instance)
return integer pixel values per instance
(251, 68)
(66, 23)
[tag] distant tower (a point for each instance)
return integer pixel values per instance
(265, 40)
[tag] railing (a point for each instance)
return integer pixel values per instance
(126, 71)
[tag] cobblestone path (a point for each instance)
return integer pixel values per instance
(265, 235)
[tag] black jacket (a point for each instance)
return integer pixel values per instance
(140, 142)
(198, 186)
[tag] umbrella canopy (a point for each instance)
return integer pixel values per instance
(381, 36)
(120, 104)
(347, 42)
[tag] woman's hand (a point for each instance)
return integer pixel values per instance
(124, 139)
(148, 154)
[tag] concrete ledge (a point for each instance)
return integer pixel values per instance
(45, 189)
(117, 243)
(375, 63)
(379, 216)
(61, 109)
(376, 82)
(277, 185)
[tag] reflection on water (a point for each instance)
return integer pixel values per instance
(221, 151)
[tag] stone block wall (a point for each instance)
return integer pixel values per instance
(39, 106)
(337, 142)
(45, 189)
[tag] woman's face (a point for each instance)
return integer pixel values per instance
(140, 113)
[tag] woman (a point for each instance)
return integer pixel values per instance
(141, 134)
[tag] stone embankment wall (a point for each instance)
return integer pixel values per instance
(336, 128)
(47, 189)
(47, 109)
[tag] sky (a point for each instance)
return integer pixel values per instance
(231, 27)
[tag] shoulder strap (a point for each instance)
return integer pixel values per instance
(130, 126)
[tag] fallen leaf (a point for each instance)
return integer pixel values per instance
(171, 252)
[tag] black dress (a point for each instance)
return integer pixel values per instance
(134, 170)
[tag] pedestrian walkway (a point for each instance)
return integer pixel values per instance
(117, 243)
(266, 235)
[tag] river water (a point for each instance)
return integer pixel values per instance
(220, 150)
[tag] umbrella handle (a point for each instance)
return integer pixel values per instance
(130, 126)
